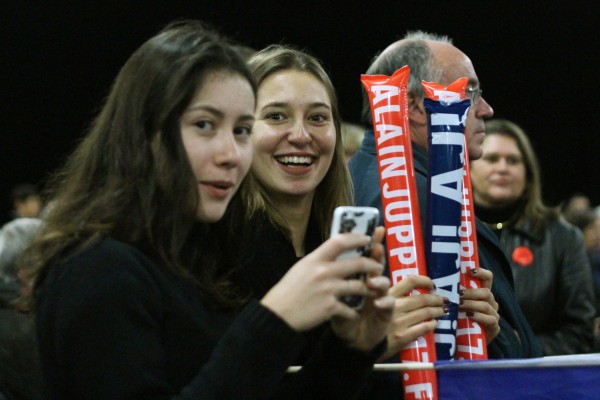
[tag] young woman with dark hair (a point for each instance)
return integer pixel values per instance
(135, 292)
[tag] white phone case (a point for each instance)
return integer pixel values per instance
(362, 220)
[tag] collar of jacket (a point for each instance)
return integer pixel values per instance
(525, 229)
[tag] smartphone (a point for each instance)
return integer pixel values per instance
(361, 220)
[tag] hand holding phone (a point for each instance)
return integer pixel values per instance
(361, 220)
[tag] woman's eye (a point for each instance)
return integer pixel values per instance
(275, 116)
(513, 160)
(204, 125)
(318, 118)
(242, 130)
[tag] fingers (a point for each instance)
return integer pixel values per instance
(376, 286)
(478, 300)
(491, 323)
(355, 265)
(379, 234)
(377, 249)
(400, 336)
(338, 244)
(379, 284)
(415, 316)
(416, 330)
(485, 276)
(411, 303)
(385, 303)
(410, 283)
(352, 287)
(481, 306)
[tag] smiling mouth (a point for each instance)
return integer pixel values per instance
(291, 161)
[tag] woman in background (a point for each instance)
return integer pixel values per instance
(553, 279)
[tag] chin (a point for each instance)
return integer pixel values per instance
(503, 201)
(210, 217)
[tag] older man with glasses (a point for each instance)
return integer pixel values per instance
(433, 58)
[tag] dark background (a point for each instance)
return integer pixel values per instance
(536, 61)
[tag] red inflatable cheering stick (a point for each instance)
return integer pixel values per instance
(388, 100)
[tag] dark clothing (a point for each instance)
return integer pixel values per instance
(268, 254)
(20, 374)
(269, 258)
(112, 324)
(523, 344)
(553, 284)
(594, 257)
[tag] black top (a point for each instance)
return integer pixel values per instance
(112, 324)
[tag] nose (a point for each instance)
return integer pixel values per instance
(501, 164)
(228, 151)
(299, 133)
(484, 110)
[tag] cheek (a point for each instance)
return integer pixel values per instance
(327, 142)
(520, 180)
(263, 139)
(193, 157)
(476, 172)
(246, 156)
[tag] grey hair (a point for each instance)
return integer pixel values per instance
(413, 52)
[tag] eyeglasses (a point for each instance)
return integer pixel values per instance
(474, 94)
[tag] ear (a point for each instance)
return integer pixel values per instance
(416, 111)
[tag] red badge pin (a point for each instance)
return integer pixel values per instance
(523, 256)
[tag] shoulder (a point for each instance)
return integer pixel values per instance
(105, 255)
(563, 234)
(104, 266)
(104, 252)
(560, 225)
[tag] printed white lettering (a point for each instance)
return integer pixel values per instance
(439, 182)
(385, 109)
(387, 132)
(395, 166)
(451, 281)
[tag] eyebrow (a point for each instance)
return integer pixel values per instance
(284, 104)
(217, 112)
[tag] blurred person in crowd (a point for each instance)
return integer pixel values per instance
(434, 58)
(553, 278)
(577, 202)
(134, 293)
(20, 374)
(26, 201)
(352, 135)
(588, 221)
(14, 237)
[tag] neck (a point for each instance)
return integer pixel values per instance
(296, 213)
(499, 217)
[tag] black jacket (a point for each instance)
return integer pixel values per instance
(555, 289)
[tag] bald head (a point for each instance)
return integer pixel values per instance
(414, 50)
(431, 58)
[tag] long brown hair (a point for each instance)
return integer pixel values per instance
(130, 178)
(335, 189)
